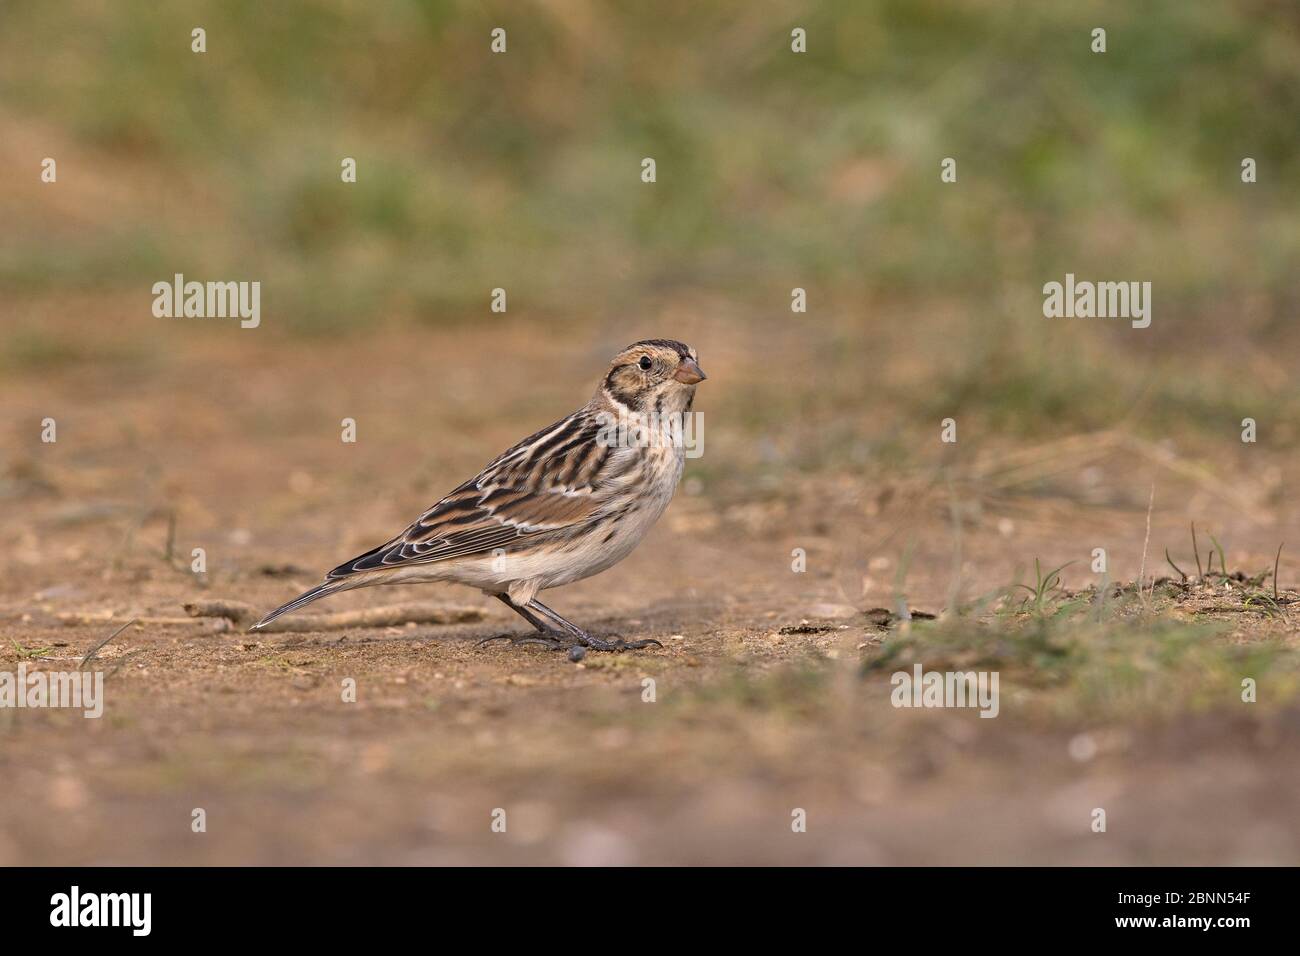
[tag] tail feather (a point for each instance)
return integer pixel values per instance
(319, 591)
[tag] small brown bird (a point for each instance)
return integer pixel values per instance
(565, 503)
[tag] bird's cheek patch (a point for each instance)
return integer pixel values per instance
(627, 378)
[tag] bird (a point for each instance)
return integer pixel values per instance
(567, 502)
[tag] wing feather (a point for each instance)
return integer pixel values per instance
(547, 486)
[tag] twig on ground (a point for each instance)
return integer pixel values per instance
(900, 597)
(392, 615)
(1200, 575)
(1142, 568)
(90, 655)
(1174, 566)
(105, 617)
(236, 611)
(1276, 561)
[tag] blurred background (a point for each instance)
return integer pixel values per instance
(522, 171)
(775, 170)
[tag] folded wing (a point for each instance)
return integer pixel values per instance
(549, 485)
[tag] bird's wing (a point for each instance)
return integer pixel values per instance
(548, 485)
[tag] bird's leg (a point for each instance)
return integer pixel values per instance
(546, 638)
(525, 614)
(581, 636)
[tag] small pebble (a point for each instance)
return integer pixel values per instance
(577, 652)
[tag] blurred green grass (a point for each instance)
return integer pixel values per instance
(774, 170)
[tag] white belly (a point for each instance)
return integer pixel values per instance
(649, 490)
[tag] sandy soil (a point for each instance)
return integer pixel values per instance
(235, 438)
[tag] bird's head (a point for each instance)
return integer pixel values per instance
(656, 375)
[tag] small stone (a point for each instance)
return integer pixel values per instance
(577, 652)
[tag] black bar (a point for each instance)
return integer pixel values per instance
(331, 906)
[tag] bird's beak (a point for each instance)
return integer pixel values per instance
(689, 372)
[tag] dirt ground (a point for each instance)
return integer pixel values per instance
(229, 441)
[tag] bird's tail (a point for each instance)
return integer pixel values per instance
(319, 591)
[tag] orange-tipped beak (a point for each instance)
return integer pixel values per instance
(689, 372)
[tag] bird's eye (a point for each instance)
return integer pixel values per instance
(645, 363)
